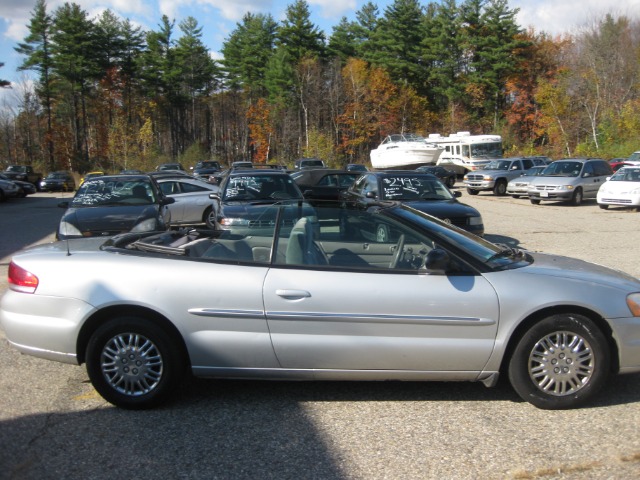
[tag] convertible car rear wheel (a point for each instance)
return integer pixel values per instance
(560, 362)
(132, 363)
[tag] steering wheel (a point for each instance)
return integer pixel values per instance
(398, 253)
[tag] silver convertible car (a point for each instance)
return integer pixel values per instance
(319, 296)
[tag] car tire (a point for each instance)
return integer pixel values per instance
(146, 376)
(560, 362)
(471, 191)
(209, 218)
(451, 181)
(515, 196)
(603, 206)
(500, 188)
(534, 201)
(577, 197)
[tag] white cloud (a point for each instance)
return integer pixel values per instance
(557, 17)
(335, 9)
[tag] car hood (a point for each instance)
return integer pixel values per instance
(443, 208)
(552, 180)
(574, 269)
(525, 178)
(109, 219)
(620, 187)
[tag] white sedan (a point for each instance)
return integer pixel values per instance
(318, 295)
(622, 189)
(192, 202)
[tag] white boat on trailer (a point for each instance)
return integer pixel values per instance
(404, 151)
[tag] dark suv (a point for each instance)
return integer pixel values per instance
(569, 180)
(422, 191)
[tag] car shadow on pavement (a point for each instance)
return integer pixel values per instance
(43, 216)
(239, 429)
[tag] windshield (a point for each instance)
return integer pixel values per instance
(57, 175)
(413, 188)
(563, 169)
(490, 254)
(407, 137)
(113, 192)
(15, 168)
(626, 174)
(635, 156)
(482, 150)
(498, 165)
(312, 163)
(260, 187)
(208, 165)
(534, 171)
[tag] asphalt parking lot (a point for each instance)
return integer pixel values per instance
(53, 424)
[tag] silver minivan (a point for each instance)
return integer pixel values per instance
(569, 180)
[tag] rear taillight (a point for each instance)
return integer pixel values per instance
(21, 280)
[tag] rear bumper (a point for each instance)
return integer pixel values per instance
(43, 326)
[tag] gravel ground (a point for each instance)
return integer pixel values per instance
(53, 425)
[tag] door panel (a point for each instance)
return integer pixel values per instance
(387, 321)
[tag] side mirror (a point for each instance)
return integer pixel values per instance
(168, 201)
(214, 196)
(437, 262)
(371, 195)
(457, 194)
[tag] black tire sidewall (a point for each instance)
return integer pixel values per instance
(173, 363)
(207, 218)
(577, 197)
(500, 188)
(518, 363)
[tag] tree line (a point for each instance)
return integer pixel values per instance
(108, 95)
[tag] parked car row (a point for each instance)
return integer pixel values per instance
(10, 188)
(107, 205)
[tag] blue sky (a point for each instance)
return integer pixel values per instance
(219, 17)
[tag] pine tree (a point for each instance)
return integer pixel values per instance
(495, 57)
(367, 23)
(198, 72)
(442, 55)
(342, 42)
(74, 45)
(396, 42)
(37, 50)
(298, 35)
(247, 52)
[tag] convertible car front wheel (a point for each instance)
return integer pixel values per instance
(560, 362)
(133, 364)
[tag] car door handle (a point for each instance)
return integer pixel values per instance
(292, 294)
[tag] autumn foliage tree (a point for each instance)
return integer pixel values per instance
(260, 130)
(109, 94)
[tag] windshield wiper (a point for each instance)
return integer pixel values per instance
(506, 251)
